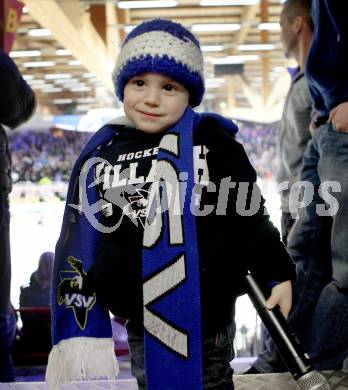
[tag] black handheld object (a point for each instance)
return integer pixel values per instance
(285, 341)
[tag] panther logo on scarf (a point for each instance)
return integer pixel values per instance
(137, 206)
(72, 293)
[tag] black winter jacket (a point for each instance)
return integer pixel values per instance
(229, 245)
(17, 103)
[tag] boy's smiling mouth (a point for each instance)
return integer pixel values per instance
(149, 114)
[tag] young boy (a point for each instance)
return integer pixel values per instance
(176, 235)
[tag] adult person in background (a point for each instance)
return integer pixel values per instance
(17, 103)
(320, 303)
(325, 295)
(35, 332)
(38, 292)
(296, 36)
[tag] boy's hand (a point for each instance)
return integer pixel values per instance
(281, 295)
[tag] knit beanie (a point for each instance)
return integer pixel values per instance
(164, 47)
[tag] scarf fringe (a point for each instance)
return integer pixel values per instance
(81, 359)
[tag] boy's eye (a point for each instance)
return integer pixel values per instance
(138, 83)
(169, 87)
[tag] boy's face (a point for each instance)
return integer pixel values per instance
(153, 102)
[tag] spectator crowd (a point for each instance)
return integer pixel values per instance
(259, 142)
(41, 157)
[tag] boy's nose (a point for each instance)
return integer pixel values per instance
(152, 97)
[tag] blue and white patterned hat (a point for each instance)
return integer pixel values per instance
(161, 46)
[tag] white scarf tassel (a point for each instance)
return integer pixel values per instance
(81, 359)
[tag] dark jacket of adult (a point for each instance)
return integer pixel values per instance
(327, 61)
(17, 103)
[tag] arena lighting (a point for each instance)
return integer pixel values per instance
(212, 3)
(216, 27)
(259, 46)
(88, 75)
(66, 81)
(47, 86)
(40, 32)
(53, 76)
(51, 90)
(36, 86)
(86, 100)
(38, 64)
(74, 85)
(62, 101)
(269, 26)
(74, 62)
(234, 59)
(147, 4)
(80, 89)
(63, 52)
(36, 82)
(212, 48)
(27, 77)
(25, 53)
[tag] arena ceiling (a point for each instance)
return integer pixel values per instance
(71, 47)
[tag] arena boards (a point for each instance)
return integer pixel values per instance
(338, 381)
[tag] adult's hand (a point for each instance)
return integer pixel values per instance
(339, 117)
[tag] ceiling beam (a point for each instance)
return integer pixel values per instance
(98, 18)
(251, 95)
(114, 35)
(71, 26)
(231, 92)
(248, 17)
(122, 16)
(183, 12)
(265, 60)
(190, 20)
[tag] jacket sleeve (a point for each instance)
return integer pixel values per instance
(255, 242)
(337, 11)
(318, 101)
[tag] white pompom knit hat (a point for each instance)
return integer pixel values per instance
(165, 47)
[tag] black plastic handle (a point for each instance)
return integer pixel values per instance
(284, 339)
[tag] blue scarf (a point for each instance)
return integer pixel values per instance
(81, 330)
